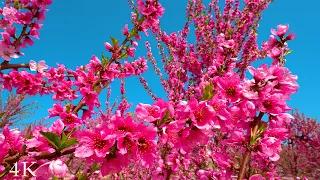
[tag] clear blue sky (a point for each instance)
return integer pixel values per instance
(75, 30)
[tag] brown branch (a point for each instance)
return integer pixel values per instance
(78, 107)
(55, 154)
(13, 159)
(24, 29)
(6, 65)
(23, 33)
(113, 59)
(244, 164)
(246, 156)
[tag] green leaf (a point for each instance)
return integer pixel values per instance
(230, 31)
(288, 52)
(238, 159)
(55, 178)
(137, 13)
(96, 87)
(68, 143)
(71, 132)
(123, 55)
(133, 33)
(95, 166)
(68, 107)
(81, 176)
(104, 60)
(53, 138)
(63, 137)
(262, 127)
(16, 4)
(165, 118)
(141, 19)
(65, 141)
(1, 114)
(207, 92)
(114, 41)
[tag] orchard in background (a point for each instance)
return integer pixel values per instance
(217, 122)
(300, 156)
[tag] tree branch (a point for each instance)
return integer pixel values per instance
(246, 156)
(6, 65)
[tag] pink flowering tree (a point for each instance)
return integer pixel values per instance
(301, 153)
(13, 109)
(222, 118)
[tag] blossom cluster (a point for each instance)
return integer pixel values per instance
(26, 13)
(219, 112)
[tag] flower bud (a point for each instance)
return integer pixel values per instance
(58, 168)
(108, 46)
(281, 30)
(290, 36)
(125, 30)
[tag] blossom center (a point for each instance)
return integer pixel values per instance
(69, 120)
(90, 79)
(278, 86)
(127, 142)
(231, 91)
(216, 107)
(142, 144)
(152, 111)
(18, 78)
(124, 129)
(199, 115)
(98, 143)
(267, 104)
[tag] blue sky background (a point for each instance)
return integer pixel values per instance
(75, 30)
